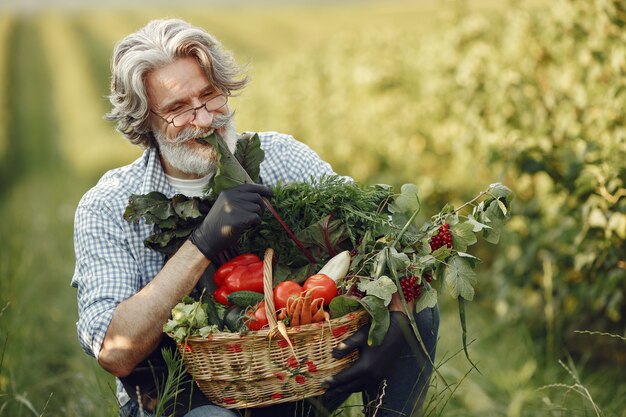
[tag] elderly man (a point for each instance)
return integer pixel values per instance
(170, 87)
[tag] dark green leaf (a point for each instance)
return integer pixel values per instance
(250, 155)
(186, 208)
(380, 319)
(229, 172)
(464, 330)
(153, 207)
(342, 305)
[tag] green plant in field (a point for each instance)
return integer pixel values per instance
(552, 88)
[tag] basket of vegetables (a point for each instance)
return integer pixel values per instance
(263, 334)
(276, 348)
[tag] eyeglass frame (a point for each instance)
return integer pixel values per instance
(194, 110)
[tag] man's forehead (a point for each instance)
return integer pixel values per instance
(177, 81)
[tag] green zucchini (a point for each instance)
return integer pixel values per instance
(232, 319)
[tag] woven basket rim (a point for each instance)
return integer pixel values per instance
(306, 328)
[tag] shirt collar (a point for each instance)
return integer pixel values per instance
(154, 179)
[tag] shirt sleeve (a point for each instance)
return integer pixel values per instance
(106, 272)
(288, 160)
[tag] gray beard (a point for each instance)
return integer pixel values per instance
(189, 160)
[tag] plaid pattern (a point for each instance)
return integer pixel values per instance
(112, 262)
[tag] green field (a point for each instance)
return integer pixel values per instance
(451, 96)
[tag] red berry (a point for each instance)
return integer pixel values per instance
(441, 238)
(410, 288)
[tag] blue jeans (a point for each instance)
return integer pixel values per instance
(131, 409)
(406, 387)
(403, 391)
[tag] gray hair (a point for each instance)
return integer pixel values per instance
(159, 43)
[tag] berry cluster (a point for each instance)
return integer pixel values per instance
(410, 288)
(442, 238)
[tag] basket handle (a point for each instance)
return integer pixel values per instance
(268, 290)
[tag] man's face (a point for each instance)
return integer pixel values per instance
(174, 88)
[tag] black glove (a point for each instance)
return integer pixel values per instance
(374, 362)
(235, 211)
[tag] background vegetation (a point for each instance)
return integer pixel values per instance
(451, 96)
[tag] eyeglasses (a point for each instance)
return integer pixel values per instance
(189, 115)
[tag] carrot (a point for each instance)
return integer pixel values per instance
(318, 314)
(297, 310)
(282, 329)
(281, 314)
(327, 317)
(291, 303)
(305, 314)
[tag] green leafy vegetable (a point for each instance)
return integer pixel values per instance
(231, 169)
(383, 288)
(189, 318)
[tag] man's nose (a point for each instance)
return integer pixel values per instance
(203, 118)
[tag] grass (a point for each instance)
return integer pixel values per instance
(54, 120)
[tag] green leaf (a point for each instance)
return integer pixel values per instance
(315, 234)
(408, 201)
(494, 216)
(441, 254)
(498, 190)
(229, 172)
(250, 155)
(186, 208)
(380, 319)
(427, 299)
(397, 261)
(383, 288)
(342, 305)
(463, 236)
(476, 225)
(460, 278)
(464, 331)
(471, 257)
(153, 207)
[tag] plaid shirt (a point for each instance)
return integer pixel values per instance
(112, 263)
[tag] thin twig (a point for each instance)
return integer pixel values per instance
(600, 334)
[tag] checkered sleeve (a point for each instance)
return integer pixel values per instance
(106, 272)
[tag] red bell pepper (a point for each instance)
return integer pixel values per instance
(244, 272)
(227, 268)
(220, 294)
(245, 277)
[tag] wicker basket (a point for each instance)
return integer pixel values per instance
(260, 368)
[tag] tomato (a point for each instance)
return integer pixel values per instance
(256, 318)
(284, 291)
(322, 286)
(220, 295)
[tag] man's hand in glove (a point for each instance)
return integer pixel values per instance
(374, 363)
(235, 211)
